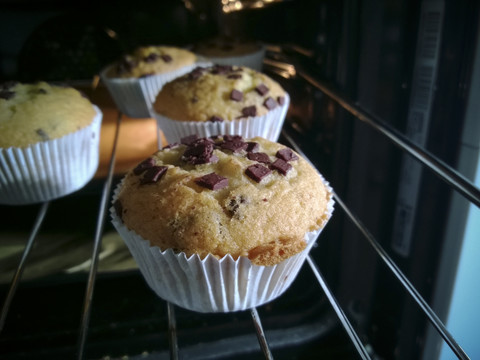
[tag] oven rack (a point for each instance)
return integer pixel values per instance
(439, 168)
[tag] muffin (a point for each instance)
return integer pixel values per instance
(220, 99)
(227, 50)
(221, 224)
(49, 141)
(135, 79)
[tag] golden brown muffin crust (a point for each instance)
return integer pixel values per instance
(31, 113)
(173, 200)
(150, 60)
(224, 92)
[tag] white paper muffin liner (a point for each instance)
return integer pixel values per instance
(253, 60)
(268, 126)
(210, 284)
(50, 169)
(134, 96)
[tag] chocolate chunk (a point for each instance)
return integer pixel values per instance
(167, 58)
(221, 69)
(236, 95)
(252, 146)
(269, 103)
(153, 174)
(125, 65)
(234, 145)
(257, 172)
(215, 118)
(234, 76)
(5, 94)
(259, 156)
(152, 57)
(232, 138)
(143, 166)
(194, 100)
(117, 205)
(42, 134)
(262, 89)
(233, 206)
(196, 73)
(212, 181)
(187, 140)
(43, 91)
(281, 100)
(286, 154)
(249, 111)
(281, 166)
(200, 152)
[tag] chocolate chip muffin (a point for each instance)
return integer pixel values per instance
(135, 79)
(30, 113)
(49, 141)
(252, 202)
(228, 50)
(151, 60)
(221, 99)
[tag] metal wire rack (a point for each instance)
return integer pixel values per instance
(443, 171)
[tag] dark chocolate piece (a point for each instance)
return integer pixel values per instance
(143, 166)
(232, 138)
(212, 181)
(249, 111)
(125, 65)
(234, 145)
(259, 156)
(270, 103)
(286, 154)
(194, 100)
(257, 172)
(281, 100)
(167, 58)
(42, 134)
(281, 166)
(252, 146)
(236, 95)
(234, 76)
(43, 91)
(215, 118)
(153, 174)
(152, 57)
(196, 73)
(262, 89)
(221, 69)
(187, 140)
(200, 152)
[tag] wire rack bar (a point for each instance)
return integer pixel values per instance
(262, 340)
(339, 311)
(440, 168)
(21, 266)
(97, 245)
(432, 317)
(172, 331)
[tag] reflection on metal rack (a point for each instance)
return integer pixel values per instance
(443, 171)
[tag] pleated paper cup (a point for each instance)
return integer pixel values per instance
(210, 284)
(268, 126)
(134, 96)
(50, 169)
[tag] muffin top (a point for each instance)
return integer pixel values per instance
(151, 60)
(226, 46)
(219, 93)
(31, 113)
(225, 195)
